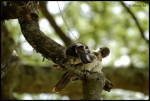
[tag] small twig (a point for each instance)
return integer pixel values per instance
(108, 85)
(61, 34)
(136, 21)
(10, 63)
(65, 21)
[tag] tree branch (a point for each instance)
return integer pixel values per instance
(36, 38)
(61, 34)
(92, 88)
(9, 64)
(136, 21)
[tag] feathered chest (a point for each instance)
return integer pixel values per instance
(95, 66)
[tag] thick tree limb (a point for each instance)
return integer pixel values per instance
(37, 39)
(92, 87)
(136, 21)
(9, 64)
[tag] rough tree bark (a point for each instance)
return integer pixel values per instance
(27, 14)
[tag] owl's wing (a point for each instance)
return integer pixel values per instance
(80, 52)
(83, 54)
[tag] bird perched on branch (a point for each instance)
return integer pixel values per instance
(86, 59)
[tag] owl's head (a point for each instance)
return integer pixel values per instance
(104, 51)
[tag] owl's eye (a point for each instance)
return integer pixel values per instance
(101, 48)
(86, 47)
